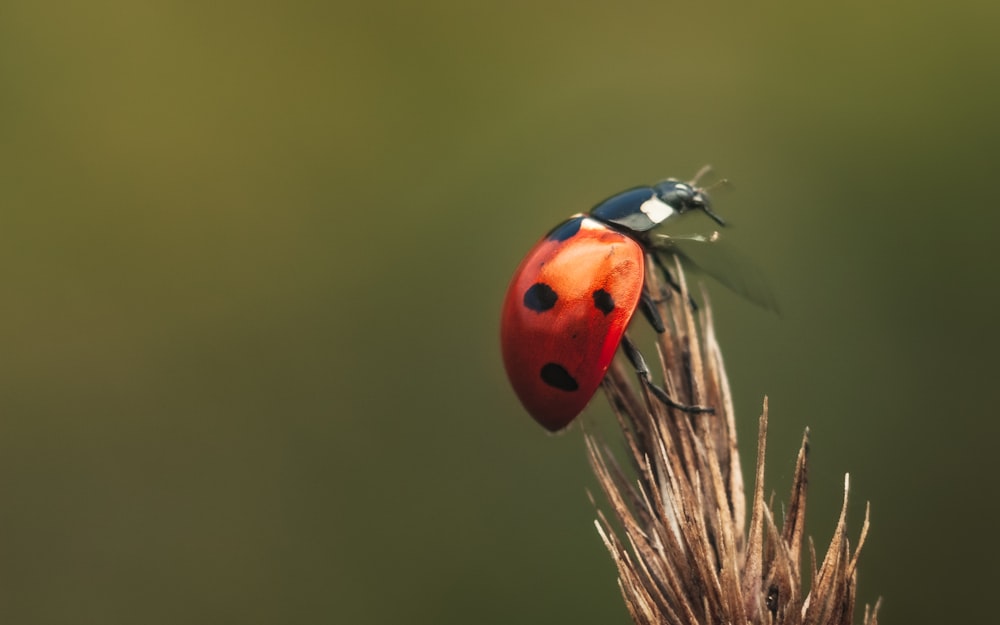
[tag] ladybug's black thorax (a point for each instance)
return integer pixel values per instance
(624, 211)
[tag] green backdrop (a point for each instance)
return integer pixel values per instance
(252, 257)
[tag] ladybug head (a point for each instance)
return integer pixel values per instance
(683, 197)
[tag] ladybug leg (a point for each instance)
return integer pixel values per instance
(669, 279)
(650, 312)
(633, 355)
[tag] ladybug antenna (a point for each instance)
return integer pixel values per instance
(721, 182)
(705, 170)
(707, 207)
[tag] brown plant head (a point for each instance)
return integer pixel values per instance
(685, 553)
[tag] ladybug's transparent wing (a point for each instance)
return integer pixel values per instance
(705, 255)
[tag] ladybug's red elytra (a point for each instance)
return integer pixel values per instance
(574, 294)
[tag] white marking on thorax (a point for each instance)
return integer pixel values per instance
(656, 209)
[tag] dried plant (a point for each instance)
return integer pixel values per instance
(685, 554)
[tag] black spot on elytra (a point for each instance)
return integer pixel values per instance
(565, 230)
(603, 301)
(557, 377)
(540, 297)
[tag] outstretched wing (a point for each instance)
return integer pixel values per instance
(707, 256)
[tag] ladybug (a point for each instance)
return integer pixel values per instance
(574, 294)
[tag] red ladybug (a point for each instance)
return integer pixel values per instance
(574, 294)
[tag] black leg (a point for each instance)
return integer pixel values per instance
(640, 368)
(669, 278)
(650, 312)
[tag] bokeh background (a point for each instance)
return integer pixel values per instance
(252, 256)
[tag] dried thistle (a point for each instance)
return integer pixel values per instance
(686, 554)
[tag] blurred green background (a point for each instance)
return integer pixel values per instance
(252, 259)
